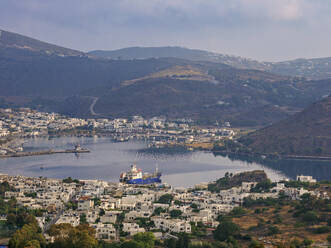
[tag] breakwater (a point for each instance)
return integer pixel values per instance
(46, 152)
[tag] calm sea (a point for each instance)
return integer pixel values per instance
(179, 167)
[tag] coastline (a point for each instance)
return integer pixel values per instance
(275, 157)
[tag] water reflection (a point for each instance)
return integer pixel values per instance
(319, 169)
(179, 166)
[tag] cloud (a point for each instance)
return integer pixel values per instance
(264, 29)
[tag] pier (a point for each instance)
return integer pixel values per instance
(47, 152)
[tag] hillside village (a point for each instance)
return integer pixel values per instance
(117, 210)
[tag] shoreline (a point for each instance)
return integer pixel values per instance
(278, 157)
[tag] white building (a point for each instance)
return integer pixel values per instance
(308, 179)
(132, 228)
(172, 225)
(85, 204)
(104, 231)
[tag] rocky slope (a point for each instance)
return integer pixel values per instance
(305, 133)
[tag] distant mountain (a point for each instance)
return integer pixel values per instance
(50, 78)
(30, 73)
(305, 133)
(13, 40)
(178, 52)
(319, 68)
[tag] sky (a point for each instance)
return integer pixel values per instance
(268, 30)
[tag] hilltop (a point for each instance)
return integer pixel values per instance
(178, 52)
(13, 40)
(317, 68)
(305, 133)
(229, 181)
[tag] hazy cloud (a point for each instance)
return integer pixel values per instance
(263, 29)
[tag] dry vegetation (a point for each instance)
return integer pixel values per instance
(185, 72)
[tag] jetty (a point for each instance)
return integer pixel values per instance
(76, 150)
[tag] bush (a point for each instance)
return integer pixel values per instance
(175, 213)
(237, 212)
(264, 186)
(310, 217)
(329, 238)
(321, 229)
(307, 242)
(225, 230)
(28, 236)
(159, 210)
(165, 199)
(273, 230)
(255, 244)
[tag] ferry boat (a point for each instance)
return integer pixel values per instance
(136, 176)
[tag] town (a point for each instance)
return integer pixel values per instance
(17, 124)
(119, 211)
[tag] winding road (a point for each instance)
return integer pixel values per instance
(95, 99)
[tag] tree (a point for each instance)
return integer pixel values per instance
(255, 244)
(32, 244)
(183, 241)
(102, 212)
(170, 243)
(132, 244)
(28, 236)
(82, 219)
(11, 220)
(66, 235)
(225, 230)
(310, 217)
(237, 212)
(194, 206)
(147, 239)
(165, 199)
(175, 213)
(329, 238)
(159, 210)
(273, 230)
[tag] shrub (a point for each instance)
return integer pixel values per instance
(321, 229)
(310, 217)
(273, 230)
(329, 238)
(238, 211)
(165, 199)
(175, 213)
(225, 230)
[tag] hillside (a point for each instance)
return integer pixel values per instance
(13, 40)
(50, 78)
(229, 181)
(178, 52)
(305, 133)
(175, 88)
(319, 68)
(243, 97)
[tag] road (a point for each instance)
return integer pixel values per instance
(95, 99)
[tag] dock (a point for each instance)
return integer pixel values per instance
(46, 152)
